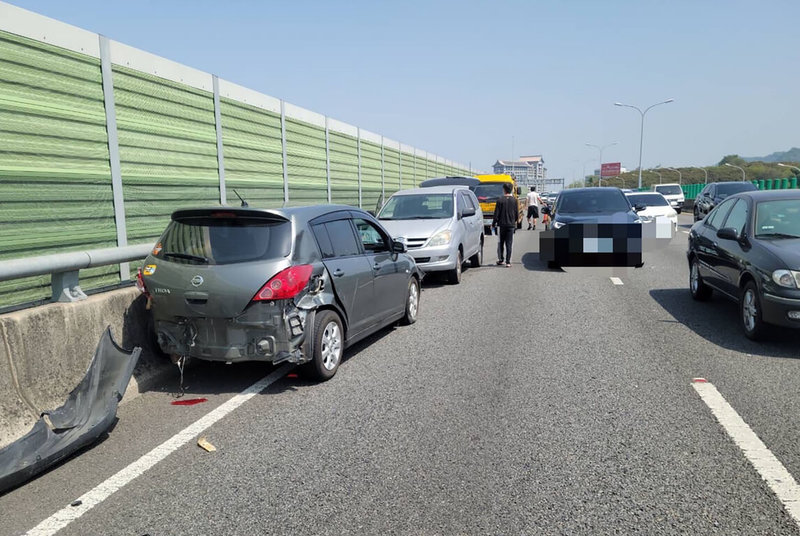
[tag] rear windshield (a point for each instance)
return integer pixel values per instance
(650, 200)
(489, 191)
(418, 207)
(724, 190)
(225, 240)
(595, 201)
(669, 190)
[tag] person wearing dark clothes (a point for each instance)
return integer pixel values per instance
(505, 218)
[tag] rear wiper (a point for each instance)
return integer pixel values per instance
(776, 235)
(186, 256)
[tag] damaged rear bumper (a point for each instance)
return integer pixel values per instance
(271, 331)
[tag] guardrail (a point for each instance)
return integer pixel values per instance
(64, 267)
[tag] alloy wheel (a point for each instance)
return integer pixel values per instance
(331, 350)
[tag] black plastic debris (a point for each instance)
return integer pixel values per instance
(90, 409)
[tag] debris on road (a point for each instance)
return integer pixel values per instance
(189, 401)
(90, 410)
(205, 445)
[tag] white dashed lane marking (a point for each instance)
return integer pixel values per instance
(616, 280)
(780, 481)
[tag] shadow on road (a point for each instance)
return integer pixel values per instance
(717, 321)
(532, 262)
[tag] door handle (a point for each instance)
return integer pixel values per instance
(338, 272)
(376, 266)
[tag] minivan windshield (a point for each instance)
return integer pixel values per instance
(418, 207)
(595, 200)
(669, 189)
(224, 240)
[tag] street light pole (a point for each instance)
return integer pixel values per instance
(657, 173)
(744, 178)
(792, 167)
(641, 132)
(680, 176)
(601, 148)
(705, 171)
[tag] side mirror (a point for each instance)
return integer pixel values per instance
(469, 211)
(398, 247)
(639, 208)
(728, 233)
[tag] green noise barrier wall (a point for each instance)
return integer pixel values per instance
(100, 143)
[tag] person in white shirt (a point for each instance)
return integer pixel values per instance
(534, 203)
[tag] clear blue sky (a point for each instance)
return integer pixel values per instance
(461, 78)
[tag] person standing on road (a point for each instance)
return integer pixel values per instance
(534, 205)
(505, 217)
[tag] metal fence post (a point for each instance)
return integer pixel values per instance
(223, 195)
(113, 152)
(328, 157)
(358, 146)
(283, 148)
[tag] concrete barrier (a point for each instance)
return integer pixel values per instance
(45, 351)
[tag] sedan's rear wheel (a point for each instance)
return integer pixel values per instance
(750, 312)
(454, 275)
(412, 302)
(700, 291)
(328, 346)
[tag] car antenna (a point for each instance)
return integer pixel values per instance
(244, 203)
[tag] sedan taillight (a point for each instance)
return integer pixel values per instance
(285, 284)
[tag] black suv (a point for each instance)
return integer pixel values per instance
(715, 192)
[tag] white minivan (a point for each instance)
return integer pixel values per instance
(674, 194)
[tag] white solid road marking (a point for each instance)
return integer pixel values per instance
(685, 232)
(780, 481)
(92, 498)
(616, 280)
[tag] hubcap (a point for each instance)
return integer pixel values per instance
(413, 300)
(331, 349)
(749, 310)
(694, 278)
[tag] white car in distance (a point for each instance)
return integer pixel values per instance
(657, 210)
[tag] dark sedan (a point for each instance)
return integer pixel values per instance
(748, 249)
(592, 227)
(295, 284)
(714, 193)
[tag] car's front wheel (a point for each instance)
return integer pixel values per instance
(454, 276)
(700, 291)
(412, 302)
(750, 312)
(328, 340)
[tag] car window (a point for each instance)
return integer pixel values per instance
(717, 216)
(724, 190)
(489, 192)
(778, 219)
(418, 207)
(705, 191)
(343, 241)
(324, 241)
(669, 190)
(462, 203)
(371, 237)
(650, 200)
(470, 201)
(737, 217)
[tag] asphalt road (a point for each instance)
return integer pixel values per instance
(523, 401)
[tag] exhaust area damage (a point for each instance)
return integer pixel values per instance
(89, 411)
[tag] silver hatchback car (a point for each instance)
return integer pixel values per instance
(442, 226)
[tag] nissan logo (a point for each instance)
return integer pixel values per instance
(197, 280)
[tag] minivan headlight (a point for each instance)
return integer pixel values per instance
(441, 238)
(786, 278)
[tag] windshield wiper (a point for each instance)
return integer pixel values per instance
(776, 235)
(186, 256)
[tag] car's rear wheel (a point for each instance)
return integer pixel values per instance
(750, 312)
(328, 339)
(477, 259)
(454, 275)
(700, 291)
(412, 302)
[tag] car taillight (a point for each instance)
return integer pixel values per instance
(140, 283)
(285, 284)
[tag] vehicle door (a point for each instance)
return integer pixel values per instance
(710, 198)
(389, 277)
(350, 272)
(474, 217)
(463, 224)
(706, 247)
(731, 253)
